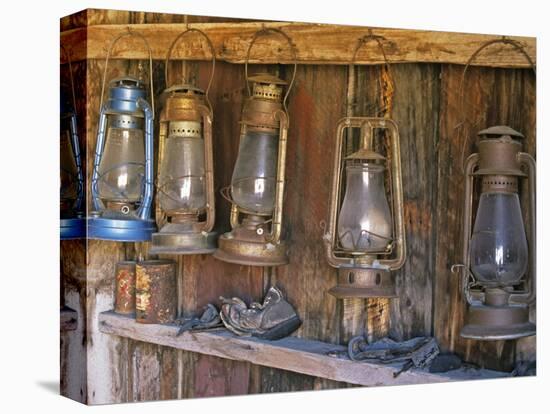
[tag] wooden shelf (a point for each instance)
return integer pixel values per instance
(68, 319)
(315, 44)
(293, 354)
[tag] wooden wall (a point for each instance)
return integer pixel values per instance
(425, 106)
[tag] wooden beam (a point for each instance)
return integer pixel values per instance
(68, 319)
(315, 44)
(293, 354)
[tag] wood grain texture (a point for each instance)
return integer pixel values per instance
(315, 44)
(203, 278)
(315, 106)
(425, 108)
(215, 377)
(291, 353)
(417, 116)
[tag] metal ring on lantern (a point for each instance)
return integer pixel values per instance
(69, 62)
(263, 32)
(129, 32)
(74, 137)
(351, 73)
(504, 40)
(212, 53)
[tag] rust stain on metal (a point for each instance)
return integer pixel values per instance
(125, 292)
(156, 291)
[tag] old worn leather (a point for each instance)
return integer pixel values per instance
(209, 319)
(272, 319)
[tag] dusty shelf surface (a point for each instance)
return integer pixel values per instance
(310, 357)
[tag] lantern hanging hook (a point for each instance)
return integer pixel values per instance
(362, 41)
(212, 52)
(129, 32)
(501, 40)
(69, 62)
(266, 31)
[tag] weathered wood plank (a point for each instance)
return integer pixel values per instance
(315, 106)
(146, 372)
(68, 319)
(416, 112)
(73, 255)
(207, 277)
(315, 44)
(293, 354)
(322, 88)
(215, 377)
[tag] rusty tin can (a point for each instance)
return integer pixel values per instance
(156, 291)
(125, 290)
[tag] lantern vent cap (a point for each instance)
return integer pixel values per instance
(183, 88)
(366, 154)
(499, 131)
(128, 82)
(267, 78)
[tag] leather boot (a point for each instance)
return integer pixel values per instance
(275, 318)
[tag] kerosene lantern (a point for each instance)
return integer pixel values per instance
(365, 237)
(122, 178)
(257, 184)
(185, 185)
(72, 221)
(497, 254)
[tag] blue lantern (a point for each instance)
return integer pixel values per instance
(72, 221)
(122, 178)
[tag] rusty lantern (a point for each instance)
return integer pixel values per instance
(72, 221)
(257, 184)
(497, 257)
(365, 238)
(185, 184)
(122, 177)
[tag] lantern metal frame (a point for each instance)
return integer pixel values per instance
(128, 103)
(185, 103)
(364, 274)
(496, 311)
(251, 241)
(73, 222)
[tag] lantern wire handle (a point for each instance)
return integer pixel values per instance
(69, 62)
(362, 42)
(505, 41)
(130, 32)
(212, 52)
(266, 31)
(76, 145)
